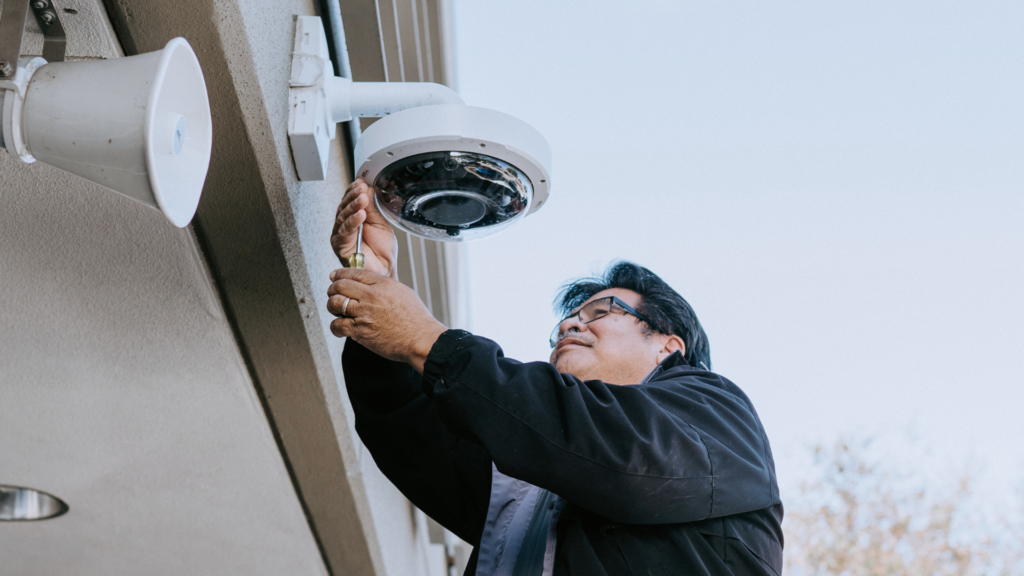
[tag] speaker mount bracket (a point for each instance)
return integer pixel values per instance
(13, 91)
(55, 40)
(12, 33)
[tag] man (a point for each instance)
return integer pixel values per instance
(625, 455)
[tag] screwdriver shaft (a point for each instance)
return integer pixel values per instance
(356, 259)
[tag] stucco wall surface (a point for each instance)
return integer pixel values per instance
(124, 394)
(123, 389)
(143, 362)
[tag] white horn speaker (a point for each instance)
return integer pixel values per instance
(139, 125)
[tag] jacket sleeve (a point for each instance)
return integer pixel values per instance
(681, 450)
(446, 476)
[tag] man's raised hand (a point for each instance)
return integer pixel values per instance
(380, 247)
(383, 315)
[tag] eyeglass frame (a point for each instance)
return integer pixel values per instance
(554, 338)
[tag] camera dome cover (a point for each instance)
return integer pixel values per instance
(454, 173)
(447, 195)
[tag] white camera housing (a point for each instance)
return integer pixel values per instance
(441, 170)
(506, 164)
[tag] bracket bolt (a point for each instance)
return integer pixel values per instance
(5, 68)
(39, 4)
(47, 17)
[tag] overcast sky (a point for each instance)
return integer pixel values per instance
(836, 188)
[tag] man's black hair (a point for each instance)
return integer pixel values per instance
(669, 313)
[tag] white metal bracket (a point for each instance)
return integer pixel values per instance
(318, 99)
(310, 127)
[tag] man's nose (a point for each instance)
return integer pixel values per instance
(572, 324)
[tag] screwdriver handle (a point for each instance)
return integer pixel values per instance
(356, 259)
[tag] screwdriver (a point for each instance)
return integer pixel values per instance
(356, 260)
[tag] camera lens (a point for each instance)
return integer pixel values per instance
(453, 210)
(452, 196)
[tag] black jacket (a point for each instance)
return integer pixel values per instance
(670, 477)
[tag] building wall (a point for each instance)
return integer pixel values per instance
(180, 388)
(123, 388)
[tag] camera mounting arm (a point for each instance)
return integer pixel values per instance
(348, 99)
(319, 100)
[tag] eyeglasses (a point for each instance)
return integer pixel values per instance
(595, 311)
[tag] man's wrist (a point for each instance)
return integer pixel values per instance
(424, 343)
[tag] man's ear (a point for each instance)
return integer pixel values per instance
(672, 343)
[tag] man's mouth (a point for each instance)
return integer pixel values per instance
(570, 340)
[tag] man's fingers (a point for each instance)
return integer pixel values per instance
(357, 183)
(362, 197)
(355, 199)
(342, 327)
(358, 199)
(350, 206)
(345, 287)
(362, 276)
(350, 225)
(351, 214)
(349, 288)
(336, 305)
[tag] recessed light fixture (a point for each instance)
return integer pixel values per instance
(20, 503)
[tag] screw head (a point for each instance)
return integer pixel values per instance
(39, 4)
(5, 68)
(47, 17)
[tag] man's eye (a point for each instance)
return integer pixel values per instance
(600, 311)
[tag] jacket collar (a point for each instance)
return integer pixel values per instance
(674, 360)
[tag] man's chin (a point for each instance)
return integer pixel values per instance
(570, 361)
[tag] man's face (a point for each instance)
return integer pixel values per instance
(614, 348)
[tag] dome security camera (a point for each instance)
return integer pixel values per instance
(454, 173)
(441, 170)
